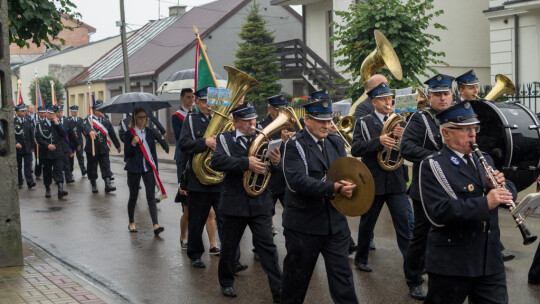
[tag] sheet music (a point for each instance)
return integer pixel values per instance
(529, 206)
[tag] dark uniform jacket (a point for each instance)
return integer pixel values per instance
(307, 198)
(420, 139)
(191, 142)
(232, 158)
(277, 181)
(47, 135)
(469, 242)
(366, 144)
(76, 124)
(100, 142)
(71, 132)
(124, 127)
(133, 154)
(364, 108)
(24, 135)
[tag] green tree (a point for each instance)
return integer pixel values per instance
(404, 24)
(45, 87)
(39, 21)
(255, 57)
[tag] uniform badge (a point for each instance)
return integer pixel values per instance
(470, 187)
(454, 160)
(467, 105)
(325, 104)
(472, 73)
(439, 78)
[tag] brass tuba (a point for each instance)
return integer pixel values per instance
(239, 83)
(502, 86)
(254, 183)
(382, 56)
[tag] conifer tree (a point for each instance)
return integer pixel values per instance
(256, 57)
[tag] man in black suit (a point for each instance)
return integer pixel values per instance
(390, 186)
(312, 225)
(191, 142)
(70, 143)
(76, 124)
(49, 136)
(240, 209)
(25, 145)
(38, 167)
(102, 129)
(463, 254)
(420, 139)
(366, 106)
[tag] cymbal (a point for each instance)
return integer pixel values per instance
(354, 171)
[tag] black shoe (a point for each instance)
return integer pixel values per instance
(31, 185)
(228, 292)
(83, 171)
(132, 230)
(372, 245)
(363, 267)
(112, 178)
(157, 200)
(239, 267)
(20, 186)
(108, 186)
(276, 296)
(70, 181)
(353, 248)
(158, 231)
(214, 251)
(507, 257)
(416, 292)
(256, 256)
(60, 190)
(94, 186)
(197, 263)
(38, 177)
(47, 191)
(534, 282)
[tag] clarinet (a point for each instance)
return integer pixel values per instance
(528, 237)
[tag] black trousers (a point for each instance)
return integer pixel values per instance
(233, 229)
(133, 181)
(302, 253)
(80, 160)
(67, 170)
(52, 168)
(414, 262)
(534, 272)
(275, 198)
(104, 165)
(454, 290)
(24, 163)
(38, 165)
(199, 208)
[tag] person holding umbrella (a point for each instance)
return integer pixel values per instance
(141, 162)
(99, 133)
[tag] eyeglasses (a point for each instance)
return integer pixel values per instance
(467, 130)
(141, 117)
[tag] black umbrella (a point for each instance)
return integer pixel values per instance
(125, 103)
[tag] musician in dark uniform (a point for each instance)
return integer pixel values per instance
(49, 136)
(69, 144)
(239, 209)
(312, 225)
(463, 254)
(534, 271)
(366, 106)
(102, 129)
(76, 124)
(467, 85)
(390, 186)
(25, 145)
(420, 139)
(203, 197)
(41, 116)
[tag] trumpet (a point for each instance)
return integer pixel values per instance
(528, 237)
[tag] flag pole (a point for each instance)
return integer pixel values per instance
(90, 114)
(205, 56)
(35, 117)
(53, 95)
(19, 97)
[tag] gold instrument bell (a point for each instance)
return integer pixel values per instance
(354, 171)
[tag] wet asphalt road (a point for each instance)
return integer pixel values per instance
(88, 232)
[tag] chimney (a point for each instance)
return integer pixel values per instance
(177, 10)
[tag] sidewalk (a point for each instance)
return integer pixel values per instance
(42, 280)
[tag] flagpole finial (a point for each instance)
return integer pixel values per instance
(196, 30)
(19, 81)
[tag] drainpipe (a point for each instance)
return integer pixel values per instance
(516, 53)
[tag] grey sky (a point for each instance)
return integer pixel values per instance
(103, 14)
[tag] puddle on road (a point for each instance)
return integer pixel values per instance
(50, 209)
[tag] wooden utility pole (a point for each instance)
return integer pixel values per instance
(127, 86)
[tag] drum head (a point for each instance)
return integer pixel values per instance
(509, 134)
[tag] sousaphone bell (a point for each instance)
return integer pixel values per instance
(354, 171)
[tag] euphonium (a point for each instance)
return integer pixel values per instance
(382, 56)
(502, 86)
(254, 183)
(239, 83)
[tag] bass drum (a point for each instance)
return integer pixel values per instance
(509, 133)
